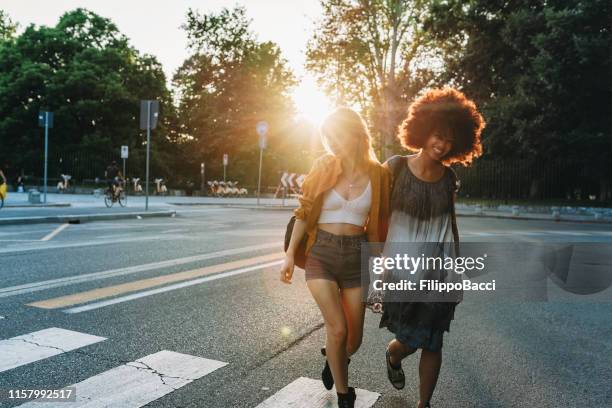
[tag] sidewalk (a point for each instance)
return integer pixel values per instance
(63, 206)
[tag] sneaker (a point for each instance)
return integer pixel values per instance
(395, 374)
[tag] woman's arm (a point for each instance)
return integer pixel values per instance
(3, 178)
(299, 229)
(301, 213)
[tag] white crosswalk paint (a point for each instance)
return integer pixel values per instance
(70, 280)
(31, 347)
(53, 233)
(138, 383)
(309, 393)
(121, 299)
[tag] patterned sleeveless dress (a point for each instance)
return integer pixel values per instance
(421, 211)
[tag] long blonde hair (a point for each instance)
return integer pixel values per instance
(344, 133)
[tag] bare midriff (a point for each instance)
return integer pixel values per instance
(342, 229)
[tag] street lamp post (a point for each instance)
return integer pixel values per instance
(202, 170)
(149, 111)
(262, 129)
(45, 119)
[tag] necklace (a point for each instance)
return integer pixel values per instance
(352, 181)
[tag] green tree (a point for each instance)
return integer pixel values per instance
(7, 26)
(85, 71)
(230, 82)
(541, 72)
(373, 54)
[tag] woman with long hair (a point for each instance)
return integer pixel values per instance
(344, 202)
(444, 127)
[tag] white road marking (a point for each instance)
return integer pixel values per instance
(50, 246)
(22, 232)
(70, 280)
(31, 347)
(53, 233)
(138, 295)
(138, 383)
(571, 233)
(309, 393)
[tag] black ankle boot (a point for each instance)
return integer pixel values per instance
(347, 400)
(326, 374)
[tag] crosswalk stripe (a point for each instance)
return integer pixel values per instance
(53, 233)
(138, 383)
(134, 286)
(308, 393)
(70, 280)
(121, 299)
(31, 347)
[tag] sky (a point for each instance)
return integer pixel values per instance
(153, 27)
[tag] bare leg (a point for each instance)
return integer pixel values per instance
(327, 295)
(398, 351)
(429, 368)
(354, 313)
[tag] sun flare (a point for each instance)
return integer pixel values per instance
(311, 103)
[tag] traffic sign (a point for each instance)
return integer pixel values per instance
(225, 159)
(124, 152)
(262, 128)
(45, 118)
(151, 107)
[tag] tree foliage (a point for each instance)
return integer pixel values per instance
(373, 54)
(84, 70)
(7, 27)
(230, 82)
(541, 71)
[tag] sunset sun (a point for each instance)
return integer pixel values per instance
(311, 102)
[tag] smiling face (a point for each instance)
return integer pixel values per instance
(437, 147)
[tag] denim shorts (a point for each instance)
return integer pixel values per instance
(336, 258)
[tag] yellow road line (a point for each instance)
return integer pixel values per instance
(109, 291)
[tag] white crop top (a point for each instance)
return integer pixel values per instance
(337, 210)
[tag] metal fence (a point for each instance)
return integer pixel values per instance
(549, 180)
(486, 179)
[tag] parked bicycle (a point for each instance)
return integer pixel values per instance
(160, 187)
(226, 189)
(62, 186)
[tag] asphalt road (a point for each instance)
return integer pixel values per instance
(119, 281)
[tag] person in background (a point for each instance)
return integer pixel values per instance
(113, 176)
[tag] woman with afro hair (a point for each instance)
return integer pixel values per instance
(444, 128)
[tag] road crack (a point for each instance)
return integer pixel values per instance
(94, 356)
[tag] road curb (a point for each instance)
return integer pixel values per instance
(523, 218)
(80, 218)
(273, 207)
(37, 205)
